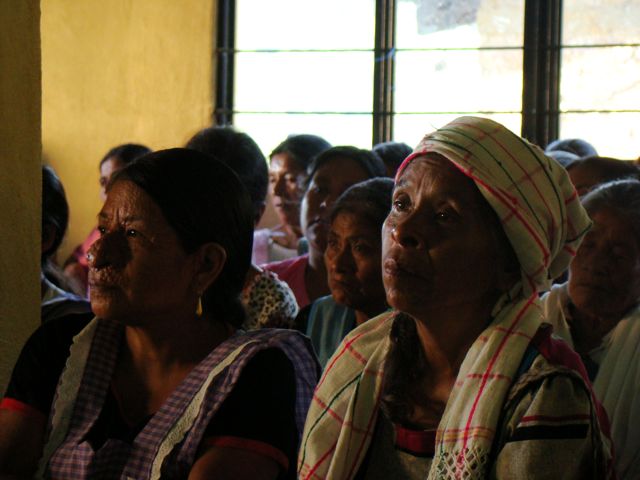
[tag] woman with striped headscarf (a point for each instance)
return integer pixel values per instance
(462, 379)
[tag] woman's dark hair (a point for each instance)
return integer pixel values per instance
(606, 169)
(370, 200)
(204, 201)
(55, 209)
(239, 152)
(126, 153)
(302, 148)
(392, 154)
(368, 161)
(405, 365)
(576, 146)
(623, 196)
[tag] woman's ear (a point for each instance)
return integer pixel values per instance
(210, 259)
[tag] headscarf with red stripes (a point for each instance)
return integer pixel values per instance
(530, 192)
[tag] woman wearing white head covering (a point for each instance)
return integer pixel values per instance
(462, 379)
(598, 312)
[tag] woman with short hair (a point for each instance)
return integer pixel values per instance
(330, 174)
(354, 269)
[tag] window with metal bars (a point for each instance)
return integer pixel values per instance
(366, 71)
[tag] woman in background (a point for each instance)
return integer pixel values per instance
(55, 294)
(269, 301)
(330, 174)
(288, 164)
(589, 172)
(392, 154)
(597, 312)
(353, 262)
(76, 267)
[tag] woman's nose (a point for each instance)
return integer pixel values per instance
(599, 261)
(408, 233)
(279, 185)
(342, 260)
(106, 250)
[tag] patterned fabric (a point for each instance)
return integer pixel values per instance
(269, 302)
(617, 383)
(292, 271)
(549, 398)
(544, 221)
(168, 444)
(532, 195)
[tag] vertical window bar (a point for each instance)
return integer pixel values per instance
(225, 51)
(541, 91)
(383, 70)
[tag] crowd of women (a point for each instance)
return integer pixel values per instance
(467, 309)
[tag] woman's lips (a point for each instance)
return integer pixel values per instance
(399, 269)
(342, 284)
(286, 204)
(102, 282)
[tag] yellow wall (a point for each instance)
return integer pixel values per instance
(20, 180)
(117, 71)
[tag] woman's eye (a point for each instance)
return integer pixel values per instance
(132, 233)
(400, 205)
(444, 216)
(102, 230)
(361, 247)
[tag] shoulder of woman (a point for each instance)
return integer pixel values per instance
(552, 404)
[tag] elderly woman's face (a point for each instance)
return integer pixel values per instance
(139, 269)
(353, 263)
(604, 277)
(327, 184)
(439, 250)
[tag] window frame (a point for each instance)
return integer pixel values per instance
(542, 51)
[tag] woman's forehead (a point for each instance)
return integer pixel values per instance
(434, 172)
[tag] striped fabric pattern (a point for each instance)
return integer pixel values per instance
(213, 379)
(544, 221)
(531, 193)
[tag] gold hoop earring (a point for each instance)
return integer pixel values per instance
(199, 307)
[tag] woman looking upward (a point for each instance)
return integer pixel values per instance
(462, 379)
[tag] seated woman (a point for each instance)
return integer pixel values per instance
(288, 164)
(597, 312)
(330, 174)
(161, 384)
(352, 259)
(269, 302)
(76, 267)
(462, 379)
(55, 293)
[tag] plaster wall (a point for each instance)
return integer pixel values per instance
(20, 178)
(120, 71)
